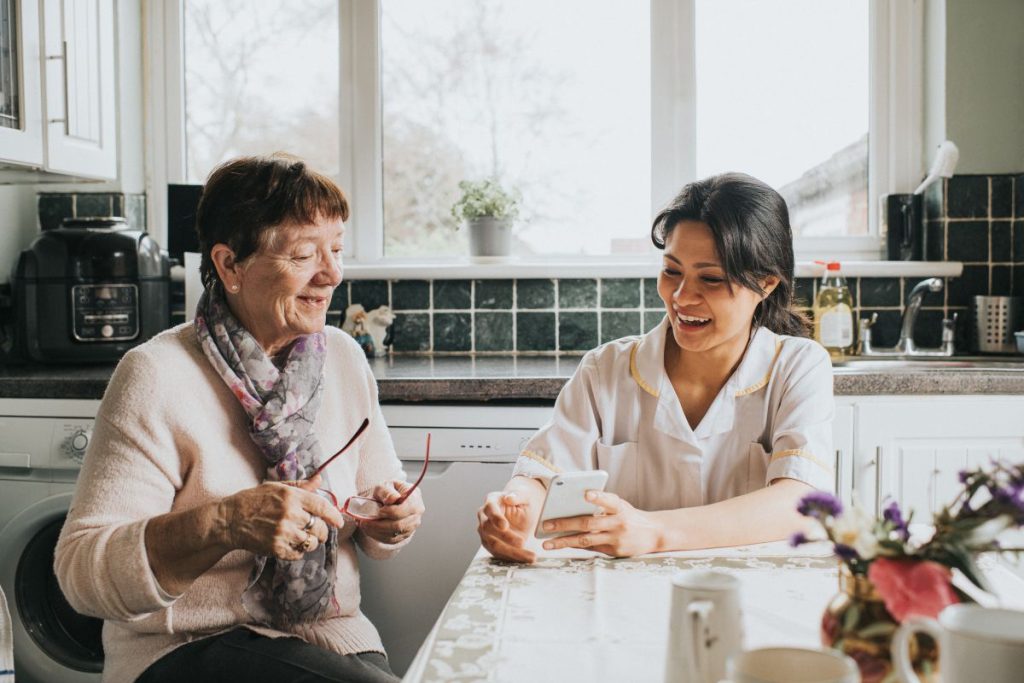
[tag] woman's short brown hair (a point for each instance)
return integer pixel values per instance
(245, 199)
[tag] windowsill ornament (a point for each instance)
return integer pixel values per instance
(371, 330)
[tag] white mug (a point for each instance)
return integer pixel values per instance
(975, 644)
(705, 626)
(792, 665)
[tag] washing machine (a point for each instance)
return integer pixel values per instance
(42, 444)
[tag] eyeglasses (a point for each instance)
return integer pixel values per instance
(328, 461)
(361, 507)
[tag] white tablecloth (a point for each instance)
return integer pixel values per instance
(584, 617)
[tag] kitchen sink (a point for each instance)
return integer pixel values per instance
(869, 364)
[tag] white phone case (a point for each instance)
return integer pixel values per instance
(565, 498)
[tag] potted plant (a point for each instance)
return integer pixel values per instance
(488, 211)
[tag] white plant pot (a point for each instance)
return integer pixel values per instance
(489, 236)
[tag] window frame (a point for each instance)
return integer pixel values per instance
(895, 159)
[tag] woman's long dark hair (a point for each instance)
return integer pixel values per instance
(750, 224)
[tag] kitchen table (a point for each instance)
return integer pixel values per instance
(577, 616)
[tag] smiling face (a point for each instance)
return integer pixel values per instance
(706, 314)
(283, 290)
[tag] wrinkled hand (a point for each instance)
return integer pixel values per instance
(396, 522)
(620, 531)
(504, 524)
(270, 518)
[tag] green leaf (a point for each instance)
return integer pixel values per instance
(879, 628)
(851, 617)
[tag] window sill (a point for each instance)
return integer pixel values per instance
(464, 270)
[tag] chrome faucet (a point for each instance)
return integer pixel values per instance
(906, 346)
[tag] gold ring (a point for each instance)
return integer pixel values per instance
(310, 523)
(307, 544)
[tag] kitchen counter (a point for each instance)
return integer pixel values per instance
(539, 378)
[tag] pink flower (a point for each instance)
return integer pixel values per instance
(912, 587)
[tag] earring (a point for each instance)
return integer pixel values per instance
(233, 288)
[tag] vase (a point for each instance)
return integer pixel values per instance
(489, 237)
(857, 624)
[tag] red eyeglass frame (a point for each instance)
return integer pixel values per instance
(368, 503)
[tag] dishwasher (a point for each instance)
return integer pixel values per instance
(472, 451)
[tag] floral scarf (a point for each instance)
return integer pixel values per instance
(282, 404)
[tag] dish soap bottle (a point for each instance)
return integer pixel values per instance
(833, 313)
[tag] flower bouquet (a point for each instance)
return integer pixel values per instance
(887, 575)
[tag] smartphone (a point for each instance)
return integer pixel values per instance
(565, 498)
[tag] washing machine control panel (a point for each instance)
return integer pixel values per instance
(71, 439)
(76, 444)
(43, 448)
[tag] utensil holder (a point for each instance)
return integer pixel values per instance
(996, 318)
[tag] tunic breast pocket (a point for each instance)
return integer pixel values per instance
(619, 461)
(757, 467)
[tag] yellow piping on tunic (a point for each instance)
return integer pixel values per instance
(636, 373)
(800, 453)
(542, 460)
(764, 381)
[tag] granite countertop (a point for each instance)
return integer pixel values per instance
(489, 378)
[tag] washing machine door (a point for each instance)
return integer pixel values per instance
(52, 642)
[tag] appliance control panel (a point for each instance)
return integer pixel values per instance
(460, 445)
(105, 312)
(43, 448)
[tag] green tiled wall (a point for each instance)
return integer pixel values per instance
(536, 316)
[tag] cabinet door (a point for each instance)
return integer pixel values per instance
(78, 39)
(842, 444)
(912, 450)
(21, 118)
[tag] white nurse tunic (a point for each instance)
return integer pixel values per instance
(619, 413)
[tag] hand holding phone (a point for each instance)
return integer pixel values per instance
(566, 498)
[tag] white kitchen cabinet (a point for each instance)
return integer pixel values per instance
(842, 445)
(21, 118)
(911, 448)
(67, 115)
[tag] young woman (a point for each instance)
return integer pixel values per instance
(713, 425)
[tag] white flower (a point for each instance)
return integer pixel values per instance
(984, 534)
(856, 528)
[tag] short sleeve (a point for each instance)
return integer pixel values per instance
(801, 441)
(568, 440)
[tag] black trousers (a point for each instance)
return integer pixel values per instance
(243, 655)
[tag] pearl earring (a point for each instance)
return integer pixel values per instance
(233, 288)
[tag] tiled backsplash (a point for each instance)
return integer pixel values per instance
(975, 219)
(507, 316)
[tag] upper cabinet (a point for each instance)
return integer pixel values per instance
(58, 100)
(21, 118)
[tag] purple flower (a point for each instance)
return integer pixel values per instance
(819, 505)
(964, 475)
(798, 539)
(893, 515)
(1017, 476)
(845, 552)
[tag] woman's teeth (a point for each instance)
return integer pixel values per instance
(693, 320)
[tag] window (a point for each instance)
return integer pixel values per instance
(596, 111)
(551, 98)
(260, 77)
(789, 104)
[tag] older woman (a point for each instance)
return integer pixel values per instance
(181, 535)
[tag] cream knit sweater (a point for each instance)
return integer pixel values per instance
(170, 436)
